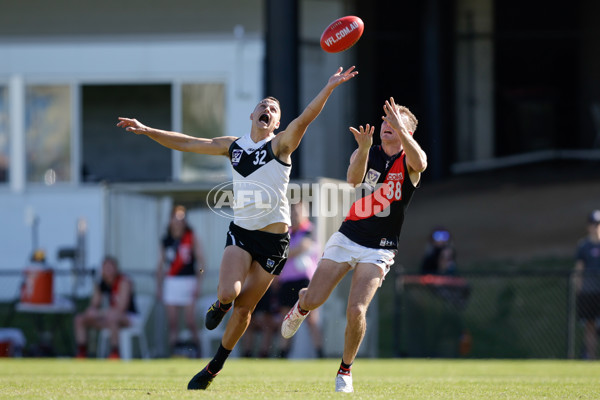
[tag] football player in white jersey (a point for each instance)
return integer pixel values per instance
(252, 257)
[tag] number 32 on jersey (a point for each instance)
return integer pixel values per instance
(260, 157)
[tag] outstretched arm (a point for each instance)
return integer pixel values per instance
(218, 146)
(287, 141)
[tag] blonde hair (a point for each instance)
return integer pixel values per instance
(411, 117)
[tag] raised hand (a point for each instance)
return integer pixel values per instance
(394, 118)
(340, 77)
(363, 136)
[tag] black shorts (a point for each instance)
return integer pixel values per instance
(588, 305)
(270, 250)
(288, 292)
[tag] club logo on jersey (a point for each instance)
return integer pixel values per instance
(372, 177)
(386, 243)
(236, 155)
(396, 176)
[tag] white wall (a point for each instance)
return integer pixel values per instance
(236, 62)
(58, 210)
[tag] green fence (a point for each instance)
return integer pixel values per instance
(487, 315)
(479, 315)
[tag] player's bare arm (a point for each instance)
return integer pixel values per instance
(218, 146)
(287, 141)
(358, 160)
(416, 159)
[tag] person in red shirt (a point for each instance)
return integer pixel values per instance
(112, 306)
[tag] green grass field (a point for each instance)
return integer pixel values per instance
(303, 379)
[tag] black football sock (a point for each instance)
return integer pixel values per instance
(224, 307)
(216, 364)
(344, 368)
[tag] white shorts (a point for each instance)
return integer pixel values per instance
(343, 250)
(179, 290)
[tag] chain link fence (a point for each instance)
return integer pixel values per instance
(488, 315)
(479, 315)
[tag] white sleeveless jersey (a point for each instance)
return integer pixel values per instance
(260, 182)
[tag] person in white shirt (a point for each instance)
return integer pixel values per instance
(257, 241)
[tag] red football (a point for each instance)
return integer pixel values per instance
(342, 33)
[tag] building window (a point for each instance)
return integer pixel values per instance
(203, 115)
(109, 154)
(4, 135)
(48, 134)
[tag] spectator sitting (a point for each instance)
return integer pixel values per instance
(112, 306)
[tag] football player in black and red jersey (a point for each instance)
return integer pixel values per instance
(367, 240)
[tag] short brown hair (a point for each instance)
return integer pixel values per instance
(111, 260)
(411, 118)
(273, 99)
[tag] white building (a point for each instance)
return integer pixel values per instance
(68, 175)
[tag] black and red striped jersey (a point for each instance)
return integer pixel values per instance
(375, 219)
(110, 292)
(179, 254)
